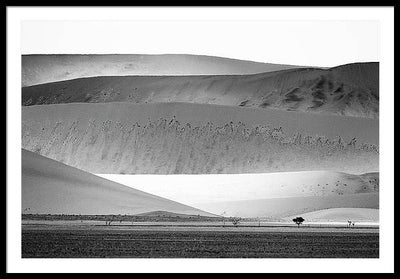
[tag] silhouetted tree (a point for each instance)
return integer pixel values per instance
(298, 221)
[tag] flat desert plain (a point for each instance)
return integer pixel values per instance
(198, 242)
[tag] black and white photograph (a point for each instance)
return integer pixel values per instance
(259, 134)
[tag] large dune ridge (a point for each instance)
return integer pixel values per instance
(351, 90)
(183, 138)
(50, 187)
(37, 69)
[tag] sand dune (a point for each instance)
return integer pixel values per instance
(49, 187)
(268, 195)
(342, 215)
(37, 69)
(191, 138)
(182, 114)
(194, 189)
(351, 90)
(279, 208)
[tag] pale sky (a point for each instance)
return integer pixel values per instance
(308, 43)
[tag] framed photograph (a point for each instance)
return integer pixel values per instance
(208, 139)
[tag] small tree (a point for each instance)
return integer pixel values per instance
(235, 221)
(298, 221)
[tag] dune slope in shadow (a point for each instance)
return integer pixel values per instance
(50, 187)
(351, 90)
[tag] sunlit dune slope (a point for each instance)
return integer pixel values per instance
(279, 208)
(194, 189)
(342, 215)
(267, 195)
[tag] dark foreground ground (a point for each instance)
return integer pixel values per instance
(203, 243)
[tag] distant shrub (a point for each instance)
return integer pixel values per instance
(235, 221)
